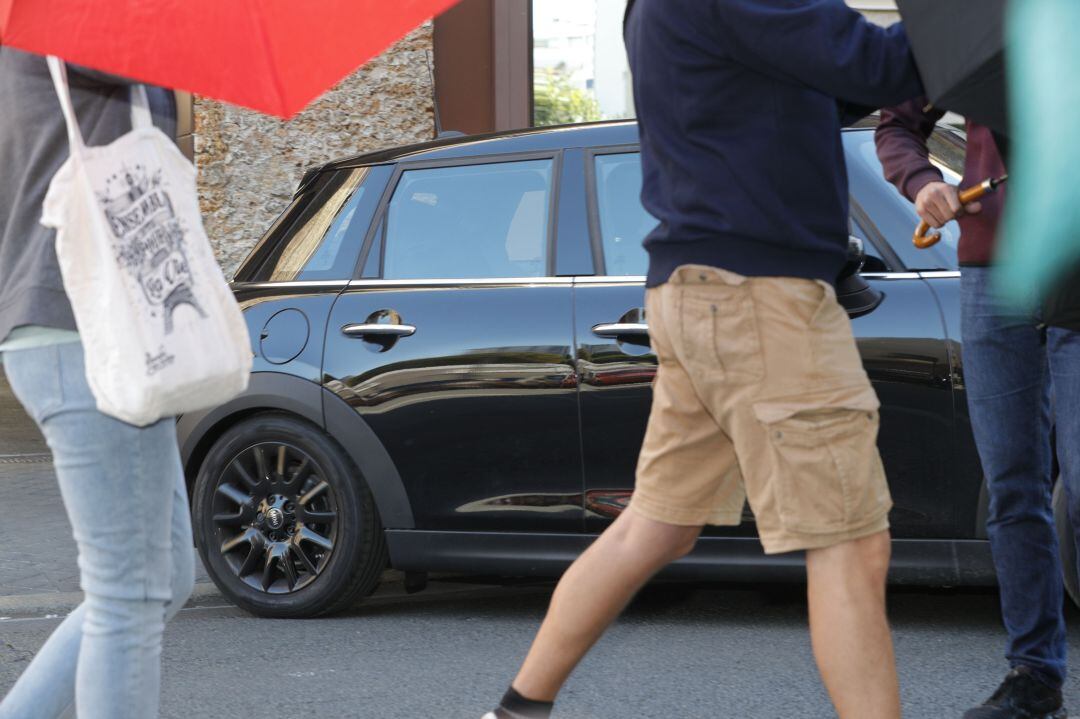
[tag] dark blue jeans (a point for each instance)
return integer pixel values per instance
(1020, 382)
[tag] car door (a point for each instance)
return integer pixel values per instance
(455, 346)
(901, 341)
(940, 482)
(614, 363)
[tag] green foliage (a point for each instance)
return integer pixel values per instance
(557, 102)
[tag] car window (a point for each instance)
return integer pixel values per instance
(623, 222)
(893, 215)
(875, 262)
(469, 222)
(319, 235)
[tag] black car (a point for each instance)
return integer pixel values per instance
(452, 373)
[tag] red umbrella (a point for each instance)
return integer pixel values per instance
(275, 56)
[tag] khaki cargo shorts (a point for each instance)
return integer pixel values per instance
(760, 395)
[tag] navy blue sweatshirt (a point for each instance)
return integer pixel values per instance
(740, 105)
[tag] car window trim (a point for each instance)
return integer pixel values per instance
(374, 225)
(592, 201)
(452, 282)
(611, 280)
(891, 275)
(488, 159)
(572, 208)
(939, 274)
(288, 284)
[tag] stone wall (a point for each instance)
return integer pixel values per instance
(249, 164)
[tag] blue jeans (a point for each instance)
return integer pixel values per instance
(1020, 383)
(124, 492)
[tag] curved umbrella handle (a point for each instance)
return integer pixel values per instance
(923, 239)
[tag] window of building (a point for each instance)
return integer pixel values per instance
(470, 222)
(580, 71)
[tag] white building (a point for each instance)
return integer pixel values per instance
(582, 40)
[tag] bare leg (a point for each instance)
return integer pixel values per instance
(594, 590)
(849, 629)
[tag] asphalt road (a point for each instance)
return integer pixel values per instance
(710, 652)
(707, 651)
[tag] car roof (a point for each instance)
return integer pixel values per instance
(535, 139)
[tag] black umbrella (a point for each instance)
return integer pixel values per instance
(959, 47)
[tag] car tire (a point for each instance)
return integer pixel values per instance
(284, 522)
(1066, 543)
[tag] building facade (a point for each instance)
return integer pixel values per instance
(249, 163)
(497, 65)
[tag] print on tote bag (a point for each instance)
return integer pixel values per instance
(161, 330)
(149, 241)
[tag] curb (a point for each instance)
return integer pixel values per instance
(206, 595)
(58, 604)
(25, 458)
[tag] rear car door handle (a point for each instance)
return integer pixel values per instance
(378, 330)
(621, 329)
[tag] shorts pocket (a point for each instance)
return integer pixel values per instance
(719, 333)
(826, 473)
(835, 355)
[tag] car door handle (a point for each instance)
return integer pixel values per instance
(378, 330)
(622, 329)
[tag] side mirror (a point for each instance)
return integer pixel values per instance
(852, 291)
(856, 257)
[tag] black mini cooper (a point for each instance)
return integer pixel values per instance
(452, 373)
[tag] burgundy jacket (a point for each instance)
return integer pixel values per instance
(901, 147)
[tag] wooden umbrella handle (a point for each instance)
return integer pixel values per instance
(923, 238)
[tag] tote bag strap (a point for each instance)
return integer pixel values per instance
(140, 108)
(59, 75)
(140, 104)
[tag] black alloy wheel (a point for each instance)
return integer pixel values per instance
(286, 527)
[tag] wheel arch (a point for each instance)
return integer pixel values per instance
(279, 392)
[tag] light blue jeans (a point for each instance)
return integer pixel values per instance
(124, 492)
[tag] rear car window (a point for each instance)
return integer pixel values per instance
(623, 221)
(319, 236)
(469, 222)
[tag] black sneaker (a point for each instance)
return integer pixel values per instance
(1021, 696)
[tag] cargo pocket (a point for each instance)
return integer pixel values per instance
(719, 333)
(826, 474)
(834, 354)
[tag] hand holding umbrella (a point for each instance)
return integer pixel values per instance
(923, 239)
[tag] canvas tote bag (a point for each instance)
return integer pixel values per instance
(161, 330)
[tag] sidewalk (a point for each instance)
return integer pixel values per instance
(38, 570)
(37, 552)
(18, 433)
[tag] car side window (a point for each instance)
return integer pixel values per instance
(469, 222)
(875, 262)
(891, 213)
(319, 235)
(623, 221)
